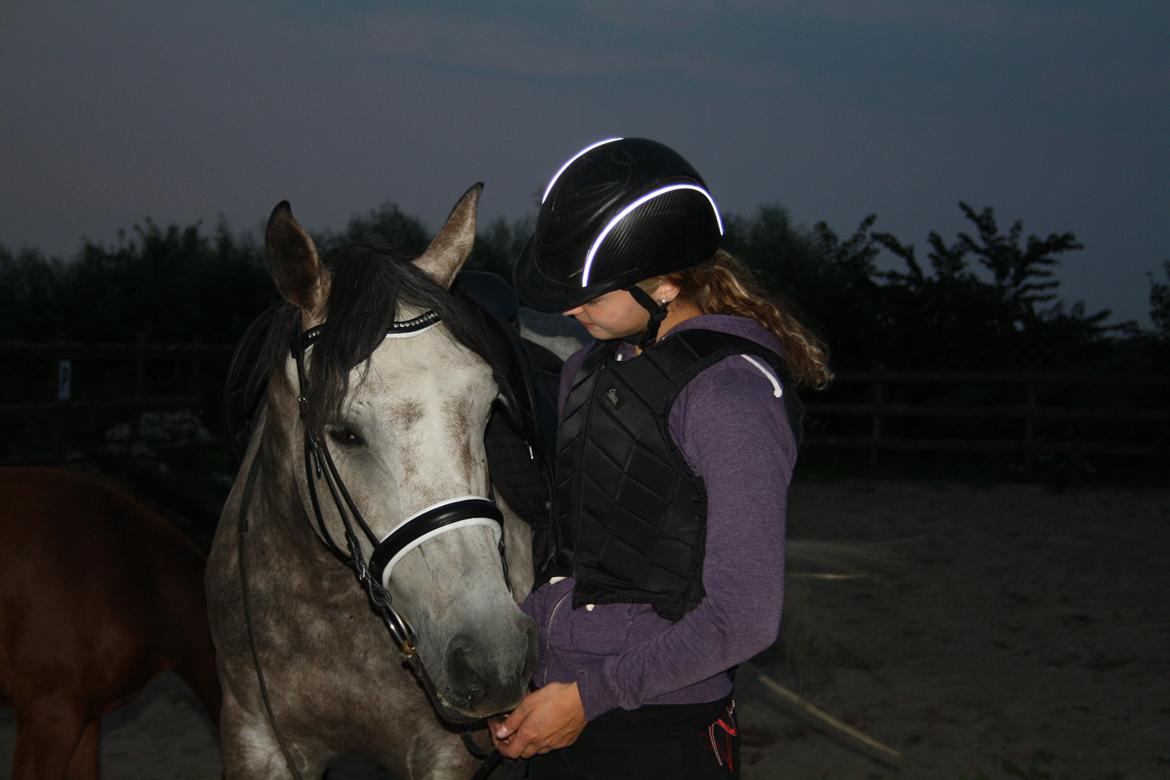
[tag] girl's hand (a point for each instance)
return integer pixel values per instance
(493, 725)
(549, 718)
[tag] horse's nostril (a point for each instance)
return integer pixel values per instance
(490, 676)
(467, 682)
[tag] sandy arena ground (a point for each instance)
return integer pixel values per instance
(1026, 634)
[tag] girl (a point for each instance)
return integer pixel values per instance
(677, 438)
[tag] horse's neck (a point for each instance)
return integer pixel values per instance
(276, 512)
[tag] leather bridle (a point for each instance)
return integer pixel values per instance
(374, 576)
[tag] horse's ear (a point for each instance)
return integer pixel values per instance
(296, 268)
(450, 248)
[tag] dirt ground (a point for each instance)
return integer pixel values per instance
(1025, 634)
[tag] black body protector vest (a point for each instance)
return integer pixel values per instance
(631, 522)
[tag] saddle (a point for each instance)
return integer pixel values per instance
(522, 428)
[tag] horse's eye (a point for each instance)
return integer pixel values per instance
(345, 436)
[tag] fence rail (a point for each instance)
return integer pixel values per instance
(53, 350)
(865, 410)
(54, 390)
(879, 411)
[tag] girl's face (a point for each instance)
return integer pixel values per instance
(611, 316)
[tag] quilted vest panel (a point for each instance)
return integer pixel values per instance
(632, 517)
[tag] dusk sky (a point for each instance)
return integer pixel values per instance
(1056, 112)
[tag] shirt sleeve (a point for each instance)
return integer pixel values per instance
(734, 433)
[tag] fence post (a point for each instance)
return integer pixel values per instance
(194, 364)
(876, 430)
(139, 380)
(1029, 423)
(62, 396)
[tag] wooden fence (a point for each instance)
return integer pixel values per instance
(1025, 415)
(59, 388)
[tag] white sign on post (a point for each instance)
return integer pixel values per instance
(64, 379)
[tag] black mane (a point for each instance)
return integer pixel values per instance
(368, 287)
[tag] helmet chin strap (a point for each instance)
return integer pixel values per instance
(657, 315)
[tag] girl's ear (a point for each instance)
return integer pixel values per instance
(666, 291)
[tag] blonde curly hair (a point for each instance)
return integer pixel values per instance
(723, 285)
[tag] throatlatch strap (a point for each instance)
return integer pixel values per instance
(657, 315)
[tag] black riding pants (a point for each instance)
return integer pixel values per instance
(687, 742)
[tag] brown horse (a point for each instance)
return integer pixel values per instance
(99, 593)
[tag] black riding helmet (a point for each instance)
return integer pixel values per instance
(620, 211)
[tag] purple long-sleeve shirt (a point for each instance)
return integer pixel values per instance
(731, 427)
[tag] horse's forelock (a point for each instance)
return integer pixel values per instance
(369, 287)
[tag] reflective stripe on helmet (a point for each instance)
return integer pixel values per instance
(571, 160)
(624, 212)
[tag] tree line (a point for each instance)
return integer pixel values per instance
(986, 299)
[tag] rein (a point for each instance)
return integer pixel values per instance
(374, 575)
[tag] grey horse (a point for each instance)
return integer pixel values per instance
(307, 666)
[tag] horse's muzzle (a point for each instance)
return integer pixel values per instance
(485, 678)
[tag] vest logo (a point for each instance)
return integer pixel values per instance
(611, 395)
